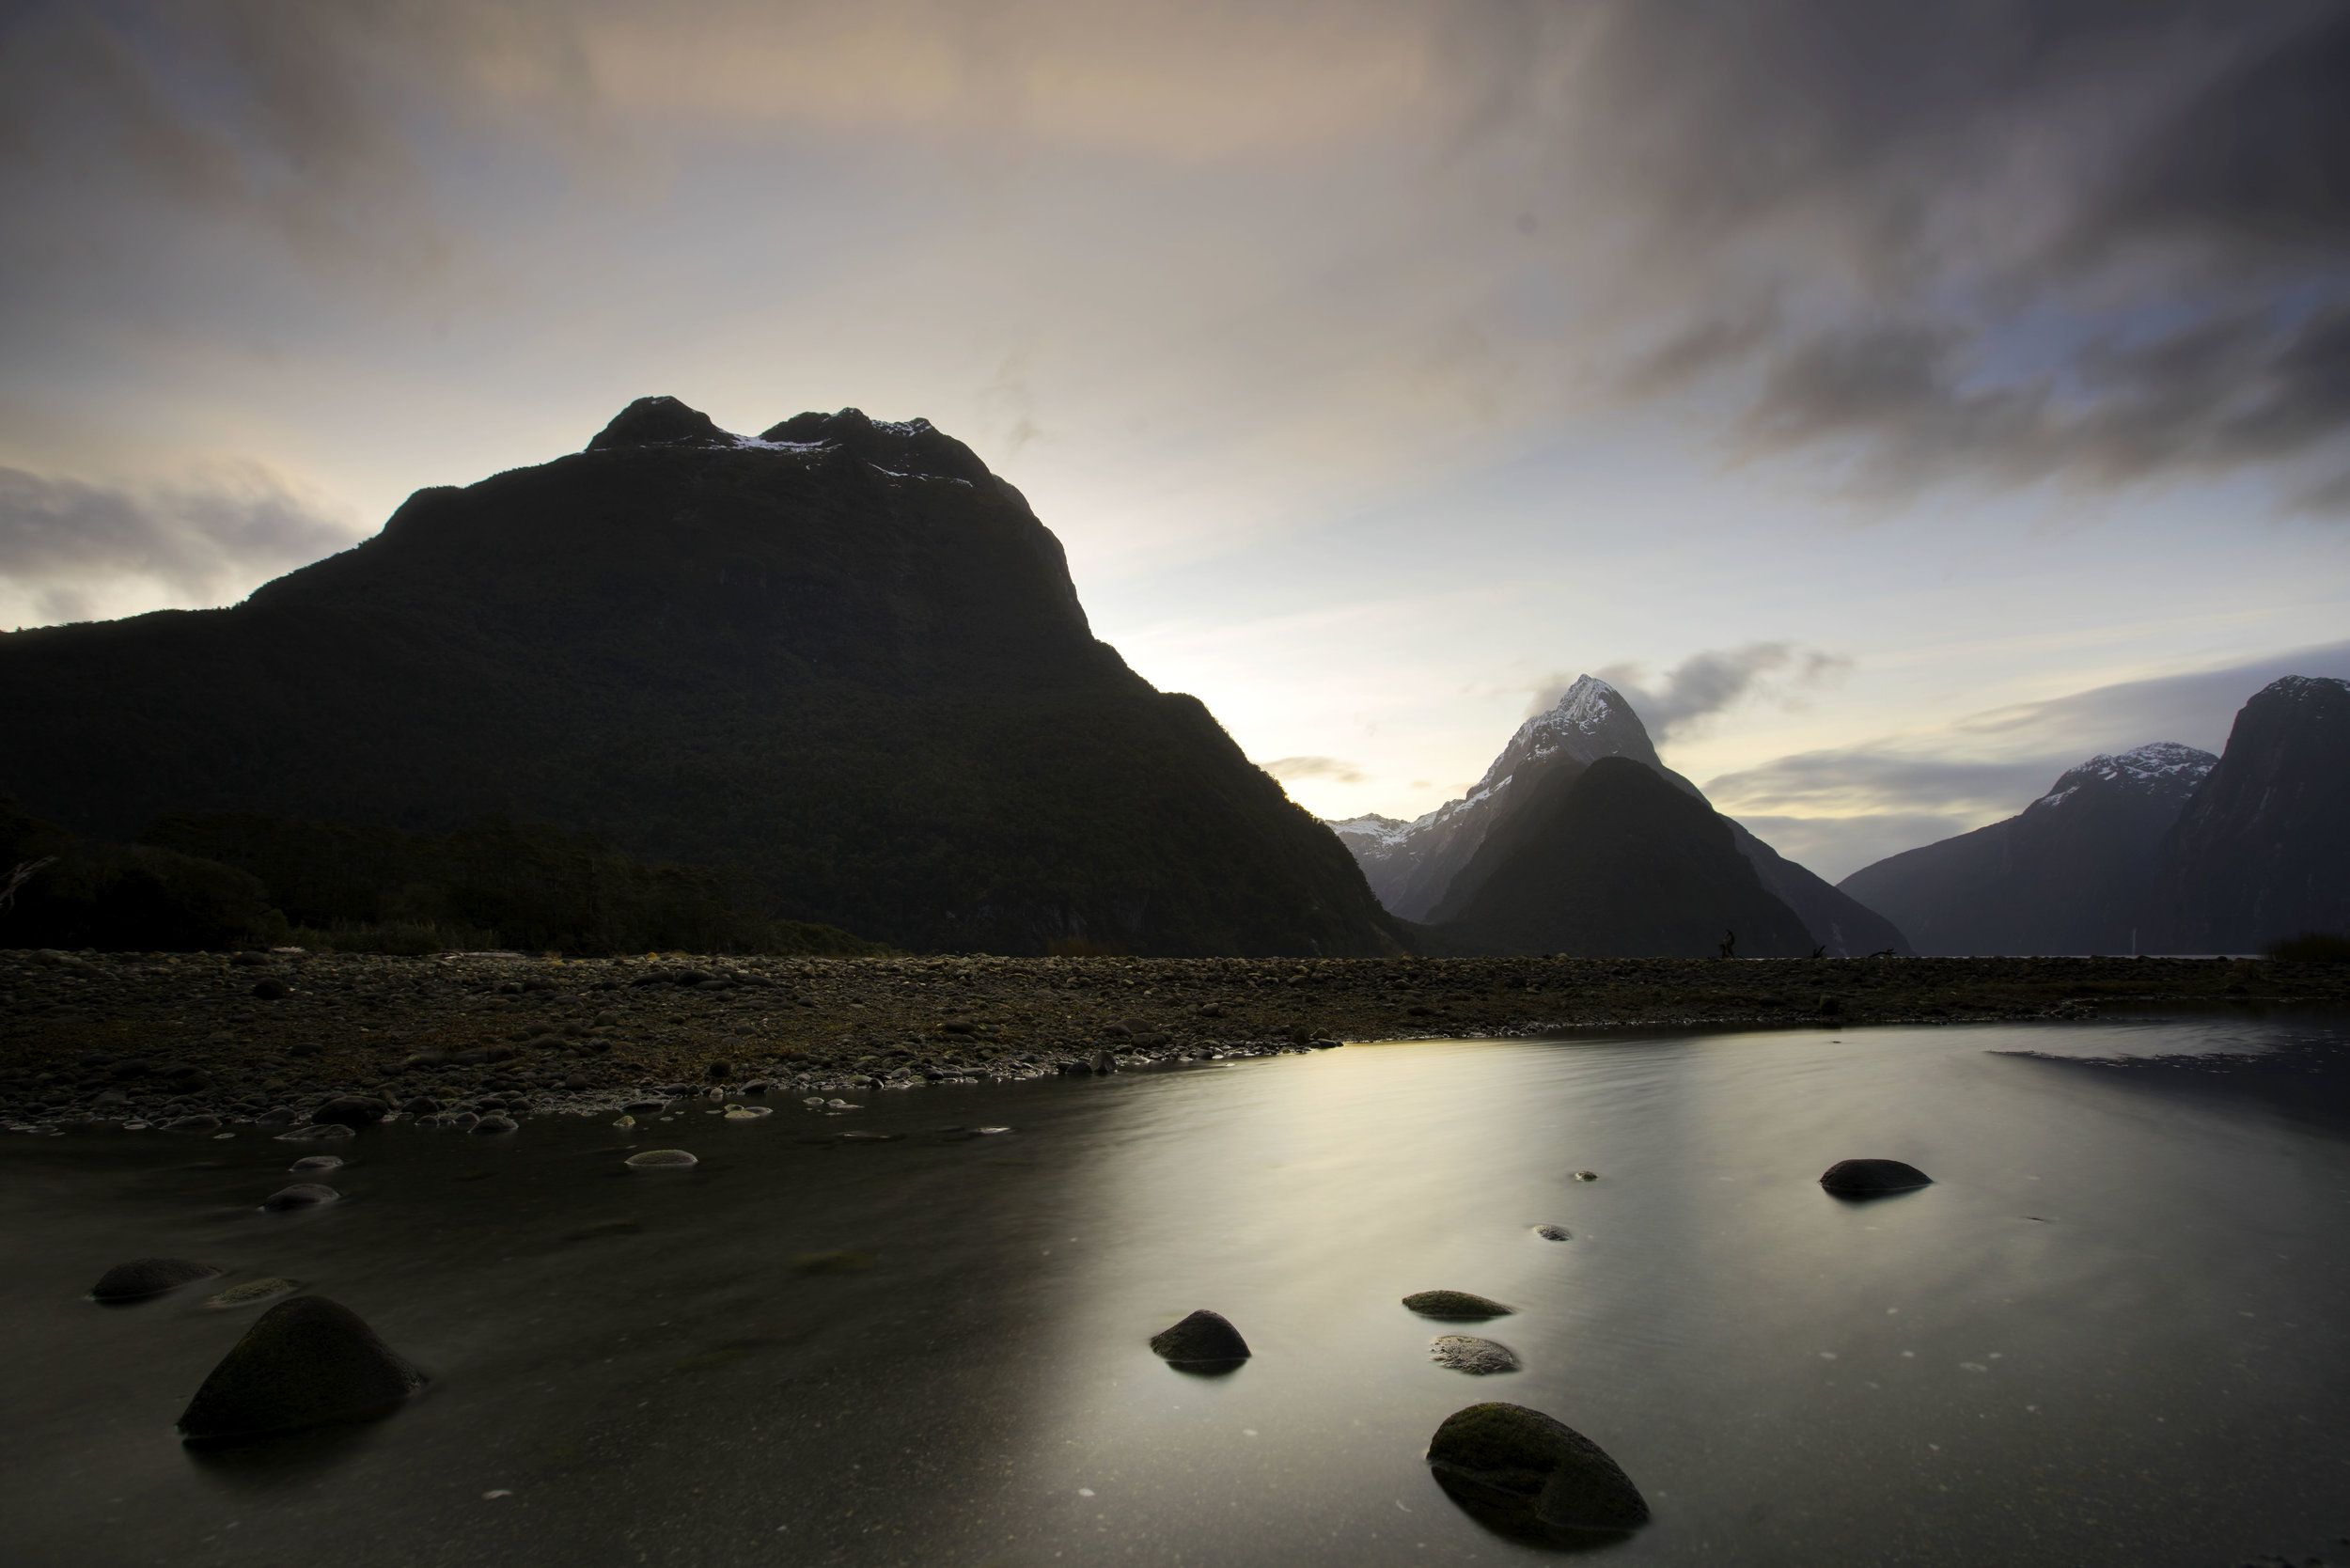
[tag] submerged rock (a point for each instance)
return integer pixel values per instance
(662, 1159)
(200, 1124)
(1203, 1337)
(490, 1125)
(309, 1163)
(254, 1292)
(1869, 1177)
(1456, 1304)
(301, 1194)
(305, 1362)
(1529, 1474)
(145, 1278)
(1466, 1353)
(318, 1132)
(1554, 1232)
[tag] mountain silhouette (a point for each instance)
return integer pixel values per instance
(841, 657)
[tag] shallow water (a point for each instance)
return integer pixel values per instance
(2111, 1333)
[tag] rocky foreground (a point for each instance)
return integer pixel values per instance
(164, 1038)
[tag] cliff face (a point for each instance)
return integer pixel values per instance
(840, 656)
(2263, 849)
(2070, 873)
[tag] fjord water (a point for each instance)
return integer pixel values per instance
(2110, 1333)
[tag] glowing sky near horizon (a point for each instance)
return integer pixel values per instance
(1900, 402)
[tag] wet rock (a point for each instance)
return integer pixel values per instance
(1466, 1353)
(312, 1164)
(1104, 1062)
(306, 1362)
(276, 1116)
(301, 1194)
(253, 1292)
(488, 1126)
(1204, 1337)
(317, 1132)
(646, 1107)
(661, 1159)
(746, 1113)
(1587, 1175)
(350, 1111)
(147, 1277)
(1528, 1474)
(193, 1124)
(1457, 1305)
(422, 1105)
(1872, 1178)
(1554, 1232)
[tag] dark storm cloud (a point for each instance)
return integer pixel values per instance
(1705, 684)
(2006, 241)
(60, 537)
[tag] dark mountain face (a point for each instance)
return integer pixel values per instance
(2069, 875)
(1613, 861)
(1428, 870)
(2262, 850)
(842, 657)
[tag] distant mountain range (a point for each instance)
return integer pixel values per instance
(840, 657)
(1532, 861)
(2164, 849)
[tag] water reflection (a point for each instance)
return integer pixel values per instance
(2107, 1334)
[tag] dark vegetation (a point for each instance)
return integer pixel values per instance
(226, 881)
(857, 672)
(2312, 947)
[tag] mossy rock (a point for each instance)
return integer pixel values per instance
(1204, 1336)
(145, 1277)
(1458, 1306)
(307, 1361)
(1872, 1178)
(1529, 1474)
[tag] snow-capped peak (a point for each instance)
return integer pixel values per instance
(2165, 767)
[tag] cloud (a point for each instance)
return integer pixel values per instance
(66, 545)
(1332, 768)
(1708, 683)
(1854, 805)
(2103, 244)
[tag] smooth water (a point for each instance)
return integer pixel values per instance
(2111, 1333)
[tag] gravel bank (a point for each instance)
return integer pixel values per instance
(156, 1038)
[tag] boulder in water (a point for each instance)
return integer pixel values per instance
(301, 1194)
(305, 1362)
(351, 1110)
(1872, 1178)
(1528, 1474)
(1466, 1353)
(1203, 1338)
(1458, 1305)
(148, 1277)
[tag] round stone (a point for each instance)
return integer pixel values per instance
(1529, 1474)
(1456, 1304)
(1466, 1353)
(1202, 1337)
(301, 1194)
(305, 1362)
(1872, 1178)
(145, 1278)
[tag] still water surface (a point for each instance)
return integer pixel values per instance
(2113, 1333)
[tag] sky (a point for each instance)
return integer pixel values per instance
(1900, 403)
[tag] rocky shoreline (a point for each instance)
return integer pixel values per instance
(175, 1040)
